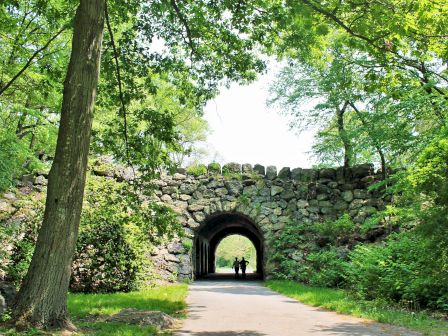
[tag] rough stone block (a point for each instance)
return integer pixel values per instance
(322, 197)
(40, 180)
(231, 168)
(359, 193)
(2, 305)
(259, 169)
(271, 172)
(308, 175)
(234, 187)
(175, 248)
(347, 195)
(182, 171)
(28, 180)
(195, 207)
(275, 190)
(246, 168)
(287, 194)
(340, 205)
(326, 204)
(166, 199)
(295, 174)
(179, 177)
(156, 319)
(362, 170)
(284, 173)
(327, 173)
(199, 216)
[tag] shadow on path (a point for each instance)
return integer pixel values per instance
(365, 329)
(246, 308)
(231, 276)
(222, 333)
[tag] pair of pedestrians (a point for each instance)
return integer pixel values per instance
(240, 264)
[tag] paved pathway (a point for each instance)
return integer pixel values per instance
(228, 308)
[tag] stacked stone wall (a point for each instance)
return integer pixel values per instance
(271, 199)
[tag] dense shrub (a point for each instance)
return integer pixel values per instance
(406, 268)
(16, 158)
(12, 156)
(326, 268)
(18, 240)
(298, 257)
(197, 170)
(334, 229)
(117, 229)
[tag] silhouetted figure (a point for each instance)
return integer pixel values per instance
(243, 264)
(236, 267)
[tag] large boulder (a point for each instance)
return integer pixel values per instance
(144, 318)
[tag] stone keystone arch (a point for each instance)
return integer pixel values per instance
(257, 203)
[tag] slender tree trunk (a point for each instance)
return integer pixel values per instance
(343, 135)
(42, 299)
(374, 141)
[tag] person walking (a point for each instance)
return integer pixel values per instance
(243, 265)
(236, 267)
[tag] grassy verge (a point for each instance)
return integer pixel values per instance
(342, 302)
(84, 307)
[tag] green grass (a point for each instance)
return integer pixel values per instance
(85, 307)
(342, 302)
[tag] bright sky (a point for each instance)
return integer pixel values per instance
(245, 130)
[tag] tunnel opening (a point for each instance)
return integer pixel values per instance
(231, 247)
(213, 230)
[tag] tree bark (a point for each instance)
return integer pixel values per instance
(374, 141)
(343, 135)
(42, 299)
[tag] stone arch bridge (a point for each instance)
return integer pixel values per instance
(258, 203)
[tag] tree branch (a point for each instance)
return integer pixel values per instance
(184, 22)
(30, 60)
(120, 87)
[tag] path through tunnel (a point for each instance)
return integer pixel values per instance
(213, 230)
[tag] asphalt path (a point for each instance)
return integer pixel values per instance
(237, 307)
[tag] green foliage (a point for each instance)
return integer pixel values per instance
(235, 246)
(22, 239)
(429, 175)
(168, 299)
(326, 268)
(244, 199)
(117, 228)
(404, 269)
(16, 158)
(214, 168)
(197, 170)
(334, 229)
(344, 302)
(115, 232)
(187, 244)
(12, 154)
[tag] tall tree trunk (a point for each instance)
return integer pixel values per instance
(42, 299)
(343, 135)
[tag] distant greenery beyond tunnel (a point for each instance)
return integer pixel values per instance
(235, 246)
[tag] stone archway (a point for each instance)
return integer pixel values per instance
(214, 229)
